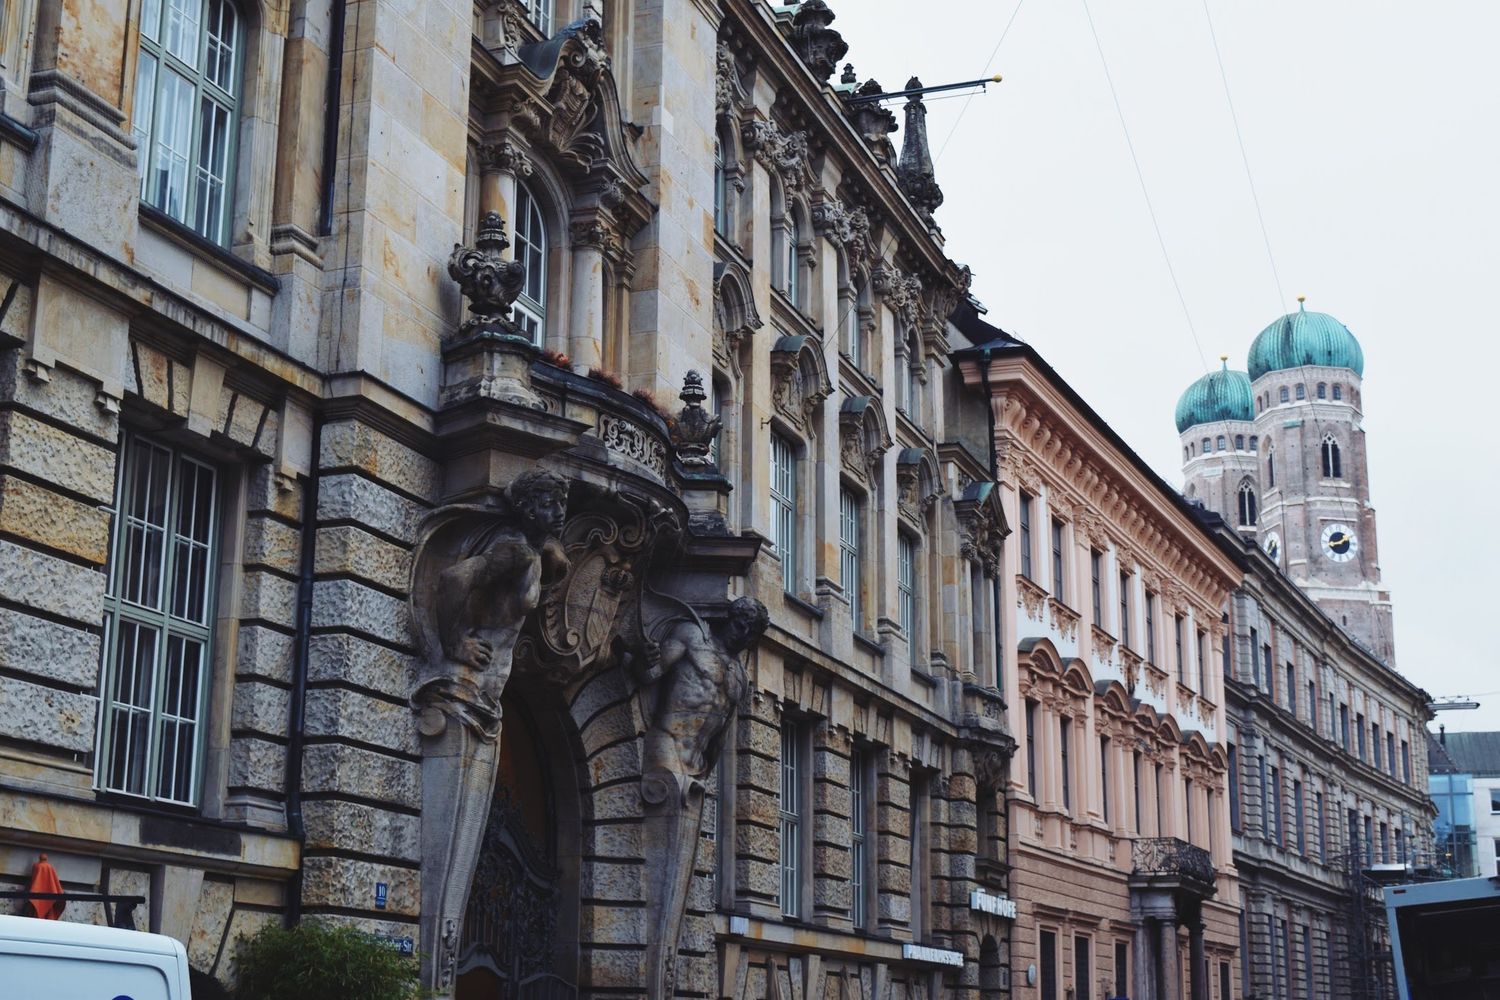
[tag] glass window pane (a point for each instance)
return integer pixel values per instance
(213, 167)
(151, 19)
(218, 59)
(181, 35)
(168, 180)
(145, 106)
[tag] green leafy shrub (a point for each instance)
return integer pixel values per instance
(314, 961)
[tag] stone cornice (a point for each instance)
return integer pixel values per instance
(834, 130)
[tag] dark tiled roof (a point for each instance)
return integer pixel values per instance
(1438, 760)
(1475, 753)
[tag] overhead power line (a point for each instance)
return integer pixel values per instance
(987, 64)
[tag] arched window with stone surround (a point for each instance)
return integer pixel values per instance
(1270, 468)
(1338, 391)
(187, 106)
(530, 248)
(1254, 443)
(1286, 395)
(1333, 466)
(1248, 510)
(1301, 391)
(1239, 442)
(1220, 444)
(1322, 390)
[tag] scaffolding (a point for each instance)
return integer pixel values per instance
(1362, 939)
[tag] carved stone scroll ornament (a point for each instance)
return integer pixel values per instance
(694, 430)
(783, 153)
(693, 679)
(820, 46)
(849, 227)
(726, 81)
(477, 574)
(901, 292)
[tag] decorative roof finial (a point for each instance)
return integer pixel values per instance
(848, 75)
(1224, 360)
(820, 46)
(695, 428)
(915, 171)
(1302, 303)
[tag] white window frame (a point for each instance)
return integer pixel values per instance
(791, 284)
(721, 189)
(783, 490)
(187, 94)
(181, 568)
(906, 587)
(851, 537)
(858, 839)
(530, 246)
(789, 808)
(539, 13)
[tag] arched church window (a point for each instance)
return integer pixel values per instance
(531, 250)
(1301, 391)
(1338, 391)
(1220, 444)
(1286, 396)
(1254, 443)
(1239, 442)
(1208, 446)
(1333, 467)
(1270, 469)
(1248, 510)
(1260, 404)
(1322, 390)
(1184, 453)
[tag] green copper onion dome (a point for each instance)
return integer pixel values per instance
(1217, 396)
(1305, 338)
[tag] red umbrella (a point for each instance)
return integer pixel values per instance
(44, 879)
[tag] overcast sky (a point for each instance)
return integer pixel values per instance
(1373, 133)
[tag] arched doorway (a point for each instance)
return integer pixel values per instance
(517, 942)
(991, 969)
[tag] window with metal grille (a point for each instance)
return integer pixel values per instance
(858, 854)
(530, 247)
(790, 808)
(158, 624)
(850, 536)
(906, 587)
(784, 509)
(187, 92)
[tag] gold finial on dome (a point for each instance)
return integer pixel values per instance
(1302, 303)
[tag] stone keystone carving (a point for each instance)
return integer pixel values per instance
(695, 429)
(489, 281)
(477, 574)
(693, 679)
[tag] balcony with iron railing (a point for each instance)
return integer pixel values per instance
(1158, 861)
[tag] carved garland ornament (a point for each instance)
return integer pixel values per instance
(850, 228)
(783, 153)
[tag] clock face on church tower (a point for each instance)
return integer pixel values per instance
(1272, 546)
(1339, 543)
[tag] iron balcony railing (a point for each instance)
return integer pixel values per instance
(1173, 857)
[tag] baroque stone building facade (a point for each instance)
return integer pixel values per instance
(360, 561)
(1328, 760)
(1113, 677)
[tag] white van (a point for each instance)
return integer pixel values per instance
(54, 960)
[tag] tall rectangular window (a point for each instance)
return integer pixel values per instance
(1161, 794)
(1096, 588)
(784, 509)
(1135, 788)
(1291, 689)
(906, 589)
(1385, 844)
(1064, 737)
(1270, 673)
(1031, 748)
(1322, 829)
(1390, 752)
(1406, 762)
(1026, 550)
(1369, 842)
(1048, 964)
(1255, 655)
(1276, 828)
(1177, 626)
(1150, 627)
(1344, 726)
(158, 624)
(1187, 809)
(1224, 993)
(1375, 745)
(1359, 730)
(1104, 777)
(1202, 647)
(1122, 968)
(1082, 966)
(858, 852)
(1058, 580)
(1234, 788)
(920, 859)
(1301, 823)
(1312, 704)
(790, 808)
(1125, 610)
(850, 537)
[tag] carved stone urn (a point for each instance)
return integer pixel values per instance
(490, 358)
